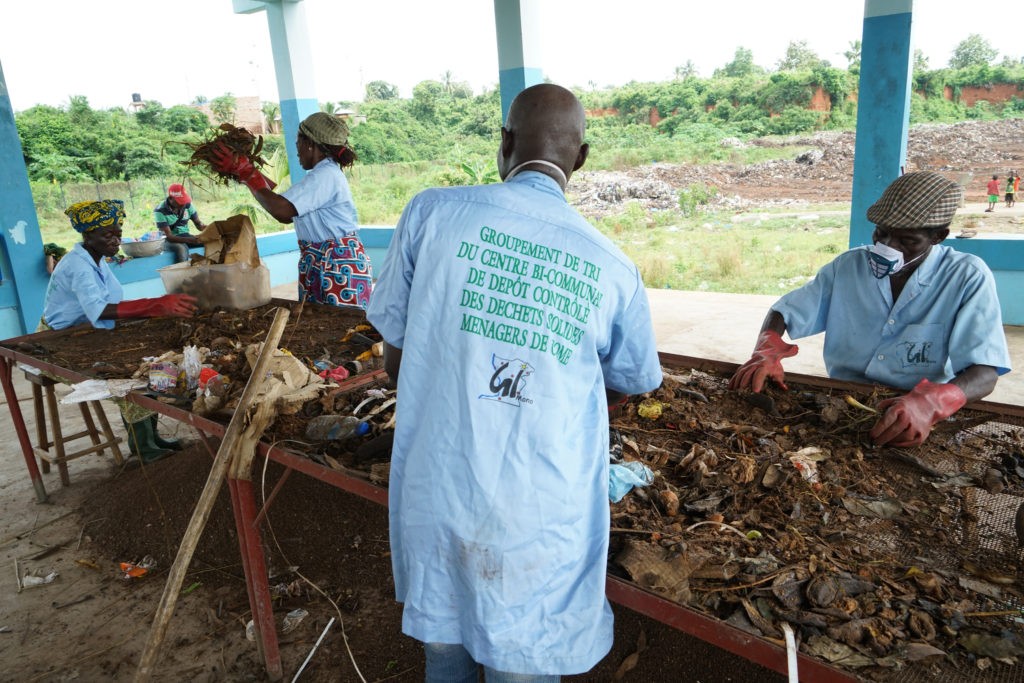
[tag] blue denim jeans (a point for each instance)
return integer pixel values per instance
(452, 664)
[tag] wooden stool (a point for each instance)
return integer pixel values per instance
(55, 451)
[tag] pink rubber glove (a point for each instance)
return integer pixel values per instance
(765, 363)
(224, 161)
(177, 305)
(908, 419)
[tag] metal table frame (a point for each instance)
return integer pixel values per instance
(248, 518)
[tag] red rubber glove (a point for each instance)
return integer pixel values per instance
(765, 363)
(177, 305)
(224, 161)
(908, 419)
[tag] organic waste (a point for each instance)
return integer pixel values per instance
(239, 141)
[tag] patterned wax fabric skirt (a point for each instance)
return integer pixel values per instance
(335, 272)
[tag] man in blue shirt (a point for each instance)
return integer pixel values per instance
(907, 312)
(514, 323)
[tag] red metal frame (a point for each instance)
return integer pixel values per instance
(248, 521)
(6, 370)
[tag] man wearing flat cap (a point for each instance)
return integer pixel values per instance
(906, 312)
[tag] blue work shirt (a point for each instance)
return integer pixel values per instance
(324, 204)
(513, 315)
(79, 290)
(946, 319)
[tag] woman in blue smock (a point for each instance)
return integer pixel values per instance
(333, 266)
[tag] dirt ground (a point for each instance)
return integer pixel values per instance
(969, 152)
(111, 515)
(91, 624)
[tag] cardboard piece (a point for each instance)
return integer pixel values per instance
(232, 240)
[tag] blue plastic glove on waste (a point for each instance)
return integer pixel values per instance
(625, 477)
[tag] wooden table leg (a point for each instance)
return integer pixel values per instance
(108, 433)
(58, 437)
(40, 413)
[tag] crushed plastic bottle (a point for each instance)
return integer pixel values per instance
(31, 580)
(335, 427)
(293, 619)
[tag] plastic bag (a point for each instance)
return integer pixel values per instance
(192, 364)
(624, 477)
(163, 377)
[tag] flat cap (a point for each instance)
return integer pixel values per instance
(923, 199)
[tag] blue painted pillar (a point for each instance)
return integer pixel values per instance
(24, 265)
(883, 108)
(293, 67)
(516, 23)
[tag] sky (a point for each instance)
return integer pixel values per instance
(173, 52)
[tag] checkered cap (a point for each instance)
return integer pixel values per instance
(324, 129)
(922, 199)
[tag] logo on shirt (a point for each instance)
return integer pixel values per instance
(508, 380)
(916, 354)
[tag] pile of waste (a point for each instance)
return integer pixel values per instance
(776, 508)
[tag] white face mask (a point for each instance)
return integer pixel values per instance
(563, 183)
(885, 261)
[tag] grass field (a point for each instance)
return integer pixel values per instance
(691, 250)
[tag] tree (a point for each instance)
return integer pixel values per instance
(684, 71)
(853, 56)
(200, 100)
(223, 108)
(446, 81)
(742, 64)
(799, 57)
(271, 110)
(972, 51)
(56, 167)
(380, 91)
(329, 108)
(426, 99)
(183, 119)
(920, 61)
(150, 114)
(79, 111)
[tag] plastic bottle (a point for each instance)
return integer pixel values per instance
(335, 427)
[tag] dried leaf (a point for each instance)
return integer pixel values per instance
(919, 651)
(884, 508)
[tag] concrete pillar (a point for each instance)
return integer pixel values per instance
(293, 67)
(883, 107)
(24, 266)
(516, 23)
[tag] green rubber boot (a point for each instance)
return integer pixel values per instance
(141, 441)
(172, 444)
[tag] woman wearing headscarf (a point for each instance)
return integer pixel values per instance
(333, 266)
(83, 289)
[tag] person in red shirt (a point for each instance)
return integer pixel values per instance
(993, 193)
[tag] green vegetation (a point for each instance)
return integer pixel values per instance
(717, 253)
(446, 135)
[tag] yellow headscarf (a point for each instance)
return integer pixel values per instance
(86, 216)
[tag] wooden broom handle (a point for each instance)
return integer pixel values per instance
(201, 514)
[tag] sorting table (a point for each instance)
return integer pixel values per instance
(248, 517)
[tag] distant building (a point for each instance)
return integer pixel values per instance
(248, 114)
